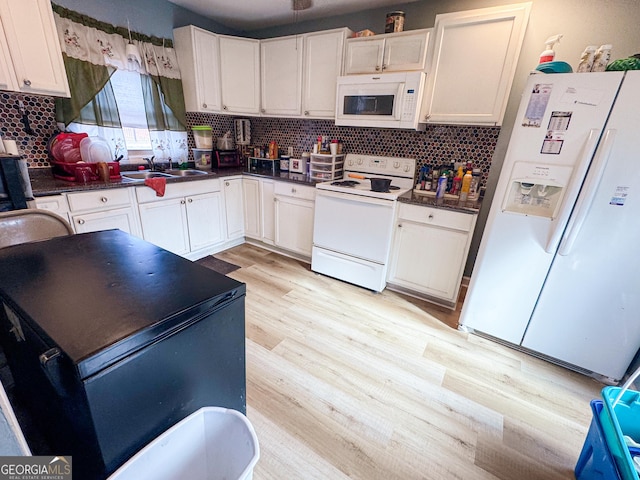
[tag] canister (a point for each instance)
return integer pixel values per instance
(395, 22)
(202, 136)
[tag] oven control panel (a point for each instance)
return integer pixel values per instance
(373, 164)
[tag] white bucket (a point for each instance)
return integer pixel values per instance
(210, 444)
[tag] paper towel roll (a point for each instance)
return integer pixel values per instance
(11, 147)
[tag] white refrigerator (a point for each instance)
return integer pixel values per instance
(558, 269)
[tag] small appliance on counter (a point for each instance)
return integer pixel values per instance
(15, 186)
(243, 131)
(265, 166)
(226, 159)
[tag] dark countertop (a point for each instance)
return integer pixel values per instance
(471, 207)
(43, 182)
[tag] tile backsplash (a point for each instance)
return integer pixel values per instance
(439, 144)
(42, 120)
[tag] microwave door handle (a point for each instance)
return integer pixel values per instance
(397, 105)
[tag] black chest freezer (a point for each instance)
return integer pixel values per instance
(112, 340)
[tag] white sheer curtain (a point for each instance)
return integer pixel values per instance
(89, 44)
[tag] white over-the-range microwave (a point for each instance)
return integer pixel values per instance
(385, 100)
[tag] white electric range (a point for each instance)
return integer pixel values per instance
(401, 171)
(353, 225)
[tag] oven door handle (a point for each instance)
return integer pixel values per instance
(354, 197)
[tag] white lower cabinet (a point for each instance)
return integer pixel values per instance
(259, 209)
(54, 203)
(106, 209)
(294, 208)
(429, 252)
(268, 201)
(189, 220)
(252, 207)
(234, 210)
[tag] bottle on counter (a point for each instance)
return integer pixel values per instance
(441, 190)
(429, 180)
(435, 175)
(466, 186)
(474, 188)
(273, 150)
(457, 182)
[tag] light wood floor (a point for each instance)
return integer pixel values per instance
(345, 383)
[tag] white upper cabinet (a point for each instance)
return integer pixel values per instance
(281, 75)
(472, 64)
(240, 75)
(323, 54)
(197, 52)
(299, 73)
(391, 52)
(30, 49)
(7, 74)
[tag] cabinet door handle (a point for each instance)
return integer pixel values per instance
(306, 112)
(204, 105)
(431, 216)
(49, 355)
(182, 202)
(399, 225)
(226, 183)
(27, 82)
(377, 68)
(190, 200)
(224, 107)
(384, 67)
(80, 221)
(104, 199)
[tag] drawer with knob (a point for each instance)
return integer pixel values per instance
(99, 199)
(288, 189)
(439, 217)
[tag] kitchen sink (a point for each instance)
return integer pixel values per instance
(185, 173)
(145, 175)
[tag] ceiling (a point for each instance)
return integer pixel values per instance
(256, 14)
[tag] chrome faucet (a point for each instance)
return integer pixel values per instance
(151, 163)
(170, 164)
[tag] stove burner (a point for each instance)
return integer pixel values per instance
(345, 183)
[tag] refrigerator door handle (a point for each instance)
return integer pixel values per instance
(572, 191)
(588, 193)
